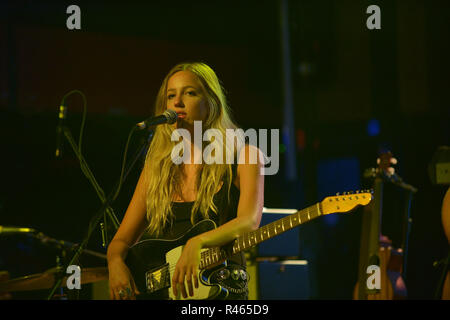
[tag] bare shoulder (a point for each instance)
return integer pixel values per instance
(250, 155)
(250, 162)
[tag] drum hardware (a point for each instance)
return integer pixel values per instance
(47, 279)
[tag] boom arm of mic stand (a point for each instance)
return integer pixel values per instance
(97, 217)
(88, 173)
(46, 240)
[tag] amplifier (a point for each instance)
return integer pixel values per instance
(283, 280)
(286, 244)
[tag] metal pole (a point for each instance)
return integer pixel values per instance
(288, 130)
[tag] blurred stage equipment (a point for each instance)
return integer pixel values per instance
(47, 279)
(283, 280)
(439, 167)
(376, 249)
(59, 129)
(4, 294)
(105, 211)
(15, 230)
(288, 95)
(439, 173)
(443, 290)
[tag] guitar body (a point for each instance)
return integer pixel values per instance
(152, 263)
(391, 281)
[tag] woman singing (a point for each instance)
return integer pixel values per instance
(170, 198)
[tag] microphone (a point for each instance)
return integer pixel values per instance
(15, 230)
(59, 130)
(169, 116)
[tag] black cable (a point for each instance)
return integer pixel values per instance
(83, 120)
(124, 160)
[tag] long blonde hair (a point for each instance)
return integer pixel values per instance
(162, 175)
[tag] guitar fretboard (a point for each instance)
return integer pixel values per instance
(252, 238)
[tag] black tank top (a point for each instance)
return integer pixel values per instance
(226, 211)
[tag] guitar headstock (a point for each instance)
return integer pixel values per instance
(385, 162)
(346, 202)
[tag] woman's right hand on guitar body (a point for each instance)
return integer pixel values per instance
(121, 283)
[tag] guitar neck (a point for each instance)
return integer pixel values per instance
(252, 238)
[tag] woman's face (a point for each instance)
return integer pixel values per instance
(186, 97)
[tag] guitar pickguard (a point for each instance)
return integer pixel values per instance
(205, 290)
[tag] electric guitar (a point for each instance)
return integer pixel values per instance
(152, 262)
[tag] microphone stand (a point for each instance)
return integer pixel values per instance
(105, 208)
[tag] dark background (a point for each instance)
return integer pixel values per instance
(397, 77)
